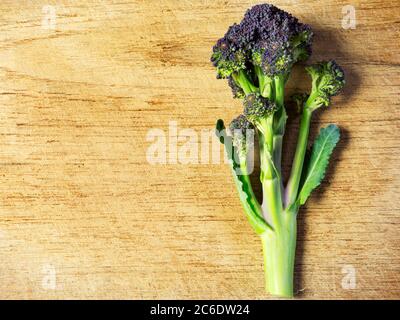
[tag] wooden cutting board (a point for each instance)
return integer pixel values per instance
(84, 215)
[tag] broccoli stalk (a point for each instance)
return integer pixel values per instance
(257, 56)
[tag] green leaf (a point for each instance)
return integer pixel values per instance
(319, 159)
(250, 205)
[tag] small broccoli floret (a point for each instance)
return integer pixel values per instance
(257, 108)
(327, 81)
(243, 134)
(228, 57)
(237, 90)
(327, 76)
(259, 111)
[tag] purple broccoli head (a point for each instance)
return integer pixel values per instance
(267, 37)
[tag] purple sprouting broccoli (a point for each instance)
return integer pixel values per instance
(257, 56)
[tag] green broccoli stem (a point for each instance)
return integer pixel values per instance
(280, 90)
(266, 83)
(298, 161)
(243, 80)
(270, 180)
(277, 154)
(279, 248)
(272, 201)
(279, 245)
(280, 118)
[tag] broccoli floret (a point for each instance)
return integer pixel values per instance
(276, 39)
(257, 108)
(267, 38)
(227, 57)
(243, 135)
(327, 81)
(237, 90)
(260, 111)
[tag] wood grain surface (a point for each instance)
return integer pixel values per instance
(84, 215)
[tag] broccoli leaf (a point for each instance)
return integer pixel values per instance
(321, 152)
(243, 185)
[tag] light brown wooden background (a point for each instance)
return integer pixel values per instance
(78, 197)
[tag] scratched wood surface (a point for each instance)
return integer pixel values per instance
(84, 215)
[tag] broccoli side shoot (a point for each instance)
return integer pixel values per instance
(327, 81)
